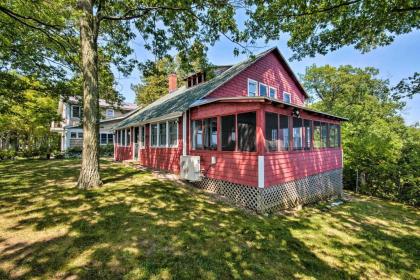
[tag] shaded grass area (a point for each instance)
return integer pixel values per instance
(138, 227)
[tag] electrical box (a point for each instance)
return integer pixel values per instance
(190, 168)
(213, 160)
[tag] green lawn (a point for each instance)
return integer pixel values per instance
(138, 227)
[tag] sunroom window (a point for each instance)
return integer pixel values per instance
(252, 87)
(308, 134)
(263, 89)
(324, 135)
(317, 134)
(162, 134)
(247, 131)
(153, 135)
(334, 136)
(297, 133)
(210, 134)
(271, 131)
(173, 133)
(197, 134)
(128, 136)
(142, 136)
(228, 133)
(123, 132)
(284, 132)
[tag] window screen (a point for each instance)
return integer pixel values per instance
(104, 138)
(308, 134)
(317, 135)
(123, 132)
(210, 134)
(173, 133)
(247, 131)
(334, 136)
(136, 135)
(162, 134)
(297, 133)
(228, 133)
(153, 135)
(271, 131)
(284, 135)
(324, 135)
(142, 136)
(197, 134)
(128, 136)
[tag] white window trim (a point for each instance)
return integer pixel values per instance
(275, 92)
(177, 133)
(290, 96)
(71, 111)
(107, 139)
(257, 88)
(142, 143)
(166, 128)
(157, 135)
(267, 91)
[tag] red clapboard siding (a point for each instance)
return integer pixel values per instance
(235, 167)
(280, 167)
(268, 70)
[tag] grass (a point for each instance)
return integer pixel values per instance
(138, 227)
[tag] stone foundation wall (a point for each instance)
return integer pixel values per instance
(287, 195)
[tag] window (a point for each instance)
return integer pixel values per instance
(110, 138)
(153, 135)
(247, 131)
(284, 132)
(297, 133)
(80, 135)
(128, 137)
(136, 135)
(271, 133)
(317, 135)
(75, 111)
(142, 136)
(252, 88)
(263, 89)
(228, 133)
(109, 113)
(173, 133)
(123, 135)
(162, 134)
(104, 138)
(334, 135)
(324, 135)
(197, 134)
(273, 92)
(73, 135)
(287, 97)
(210, 134)
(308, 134)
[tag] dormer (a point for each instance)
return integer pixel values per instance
(195, 79)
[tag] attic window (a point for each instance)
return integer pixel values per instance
(287, 97)
(263, 89)
(252, 87)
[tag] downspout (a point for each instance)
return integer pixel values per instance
(184, 133)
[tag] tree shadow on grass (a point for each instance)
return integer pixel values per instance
(145, 227)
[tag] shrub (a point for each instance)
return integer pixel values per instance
(106, 151)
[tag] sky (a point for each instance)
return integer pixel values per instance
(395, 62)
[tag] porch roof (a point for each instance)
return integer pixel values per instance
(266, 99)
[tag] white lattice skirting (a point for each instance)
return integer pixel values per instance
(286, 195)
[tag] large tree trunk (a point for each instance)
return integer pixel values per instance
(89, 173)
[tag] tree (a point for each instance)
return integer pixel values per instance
(376, 142)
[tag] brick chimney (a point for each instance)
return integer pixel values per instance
(172, 82)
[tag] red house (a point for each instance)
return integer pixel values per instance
(245, 134)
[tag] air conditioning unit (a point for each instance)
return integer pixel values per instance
(190, 168)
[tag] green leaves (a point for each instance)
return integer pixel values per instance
(375, 140)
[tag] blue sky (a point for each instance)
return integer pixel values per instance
(396, 61)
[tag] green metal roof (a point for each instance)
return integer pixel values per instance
(174, 104)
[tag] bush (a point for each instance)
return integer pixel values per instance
(106, 151)
(7, 154)
(73, 152)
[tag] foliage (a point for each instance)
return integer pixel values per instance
(319, 27)
(106, 150)
(378, 146)
(139, 227)
(73, 152)
(26, 125)
(7, 154)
